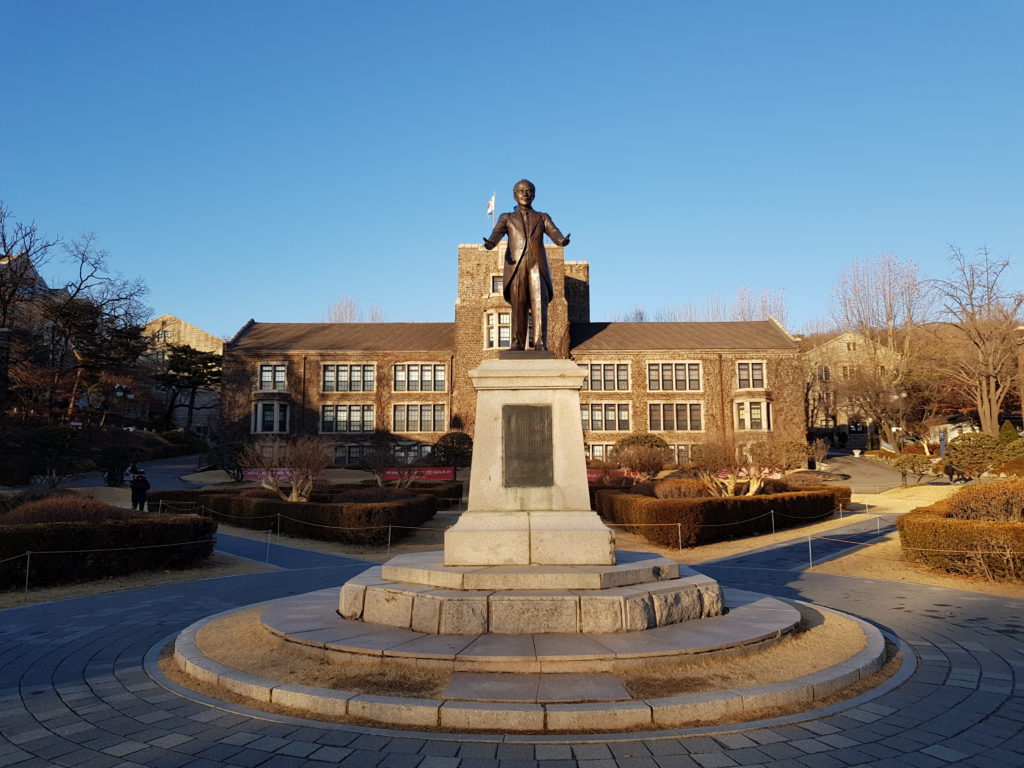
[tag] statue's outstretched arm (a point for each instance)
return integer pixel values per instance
(500, 230)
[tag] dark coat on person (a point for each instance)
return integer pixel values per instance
(140, 488)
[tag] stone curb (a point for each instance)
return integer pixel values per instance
(658, 713)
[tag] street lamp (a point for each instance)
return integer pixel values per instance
(124, 394)
(899, 398)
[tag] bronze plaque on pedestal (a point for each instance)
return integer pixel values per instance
(527, 455)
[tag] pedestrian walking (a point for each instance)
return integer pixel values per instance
(140, 490)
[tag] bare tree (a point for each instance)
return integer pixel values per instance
(887, 303)
(730, 470)
(23, 251)
(347, 310)
(95, 319)
(288, 468)
(636, 315)
(983, 315)
(746, 305)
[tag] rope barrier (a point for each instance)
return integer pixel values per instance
(114, 549)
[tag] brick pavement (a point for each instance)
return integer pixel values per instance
(74, 691)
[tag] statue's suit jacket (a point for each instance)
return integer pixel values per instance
(525, 246)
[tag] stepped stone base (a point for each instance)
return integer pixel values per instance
(419, 593)
(529, 538)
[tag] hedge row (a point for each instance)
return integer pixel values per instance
(158, 536)
(710, 519)
(447, 494)
(994, 550)
(363, 523)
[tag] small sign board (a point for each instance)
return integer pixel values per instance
(527, 451)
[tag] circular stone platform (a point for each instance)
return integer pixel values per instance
(310, 622)
(419, 592)
(583, 697)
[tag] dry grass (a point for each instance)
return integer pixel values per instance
(821, 641)
(215, 566)
(885, 560)
(240, 641)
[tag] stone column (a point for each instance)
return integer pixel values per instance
(528, 499)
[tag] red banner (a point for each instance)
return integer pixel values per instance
(595, 475)
(421, 473)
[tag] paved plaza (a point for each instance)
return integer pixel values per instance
(76, 687)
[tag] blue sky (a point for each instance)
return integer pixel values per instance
(261, 159)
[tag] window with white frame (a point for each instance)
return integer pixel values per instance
(753, 415)
(598, 451)
(824, 373)
(606, 377)
(346, 417)
(675, 417)
(681, 454)
(272, 377)
(497, 330)
(359, 377)
(270, 418)
(605, 417)
(750, 375)
(420, 377)
(419, 417)
(497, 284)
(681, 376)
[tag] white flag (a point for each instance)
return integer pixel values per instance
(490, 205)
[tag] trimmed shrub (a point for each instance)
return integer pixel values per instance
(258, 493)
(359, 495)
(1007, 433)
(695, 521)
(1002, 501)
(1012, 467)
(9, 501)
(681, 488)
(65, 509)
(1012, 450)
(974, 453)
(103, 549)
(994, 550)
(364, 523)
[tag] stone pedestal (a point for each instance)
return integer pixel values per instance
(528, 499)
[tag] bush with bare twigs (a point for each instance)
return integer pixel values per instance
(289, 468)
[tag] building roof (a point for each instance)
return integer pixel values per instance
(607, 337)
(337, 337)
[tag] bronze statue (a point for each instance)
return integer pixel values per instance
(526, 278)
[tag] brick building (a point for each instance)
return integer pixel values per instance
(687, 382)
(167, 331)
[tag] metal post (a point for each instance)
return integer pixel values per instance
(278, 527)
(878, 525)
(389, 542)
(773, 522)
(28, 567)
(679, 534)
(810, 554)
(840, 511)
(269, 532)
